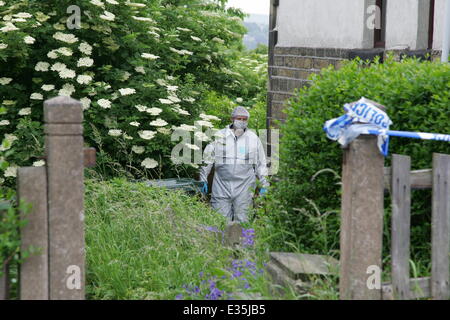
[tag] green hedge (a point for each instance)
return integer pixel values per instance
(417, 96)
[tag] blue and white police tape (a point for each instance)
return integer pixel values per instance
(360, 116)
(410, 134)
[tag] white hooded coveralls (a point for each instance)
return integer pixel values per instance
(237, 161)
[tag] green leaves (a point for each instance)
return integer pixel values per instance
(417, 98)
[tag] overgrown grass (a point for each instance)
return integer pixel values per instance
(151, 243)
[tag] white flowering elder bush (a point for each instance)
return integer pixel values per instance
(140, 69)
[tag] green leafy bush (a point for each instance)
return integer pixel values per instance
(139, 68)
(303, 212)
(10, 225)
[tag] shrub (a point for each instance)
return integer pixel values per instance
(417, 96)
(135, 66)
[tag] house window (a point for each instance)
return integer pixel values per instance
(380, 24)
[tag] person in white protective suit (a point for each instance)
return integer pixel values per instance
(238, 157)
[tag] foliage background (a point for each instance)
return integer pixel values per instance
(304, 206)
(146, 68)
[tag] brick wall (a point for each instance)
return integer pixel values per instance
(290, 70)
(290, 67)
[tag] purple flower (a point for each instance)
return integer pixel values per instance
(237, 274)
(179, 297)
(213, 229)
(248, 236)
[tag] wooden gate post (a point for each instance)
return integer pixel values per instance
(63, 118)
(4, 282)
(440, 227)
(361, 220)
(32, 188)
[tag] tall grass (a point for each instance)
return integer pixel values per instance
(151, 243)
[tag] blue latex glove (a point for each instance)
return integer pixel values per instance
(262, 191)
(204, 188)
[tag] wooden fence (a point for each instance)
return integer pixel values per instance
(56, 221)
(364, 181)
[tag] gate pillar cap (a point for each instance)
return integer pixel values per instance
(63, 109)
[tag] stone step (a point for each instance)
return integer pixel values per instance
(295, 269)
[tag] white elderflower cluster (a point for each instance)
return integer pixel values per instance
(85, 62)
(204, 123)
(147, 134)
(4, 123)
(65, 37)
(9, 26)
(67, 74)
(36, 96)
(115, 132)
(149, 56)
(140, 69)
(85, 48)
(201, 136)
(192, 146)
(143, 19)
(5, 81)
(24, 111)
(66, 90)
(48, 87)
(135, 124)
(184, 29)
(108, 16)
(177, 108)
(58, 66)
(158, 123)
(181, 52)
(65, 51)
(141, 108)
(208, 117)
(127, 91)
(166, 101)
(3, 46)
(104, 103)
(84, 79)
(149, 163)
(196, 38)
(42, 66)
(172, 97)
(221, 41)
(184, 127)
(125, 76)
(23, 15)
(53, 54)
(153, 33)
(133, 4)
(189, 99)
(97, 3)
(39, 163)
(138, 149)
(164, 130)
(153, 111)
(29, 40)
(11, 171)
(112, 1)
(86, 102)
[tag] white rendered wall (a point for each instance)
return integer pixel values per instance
(324, 24)
(439, 10)
(407, 24)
